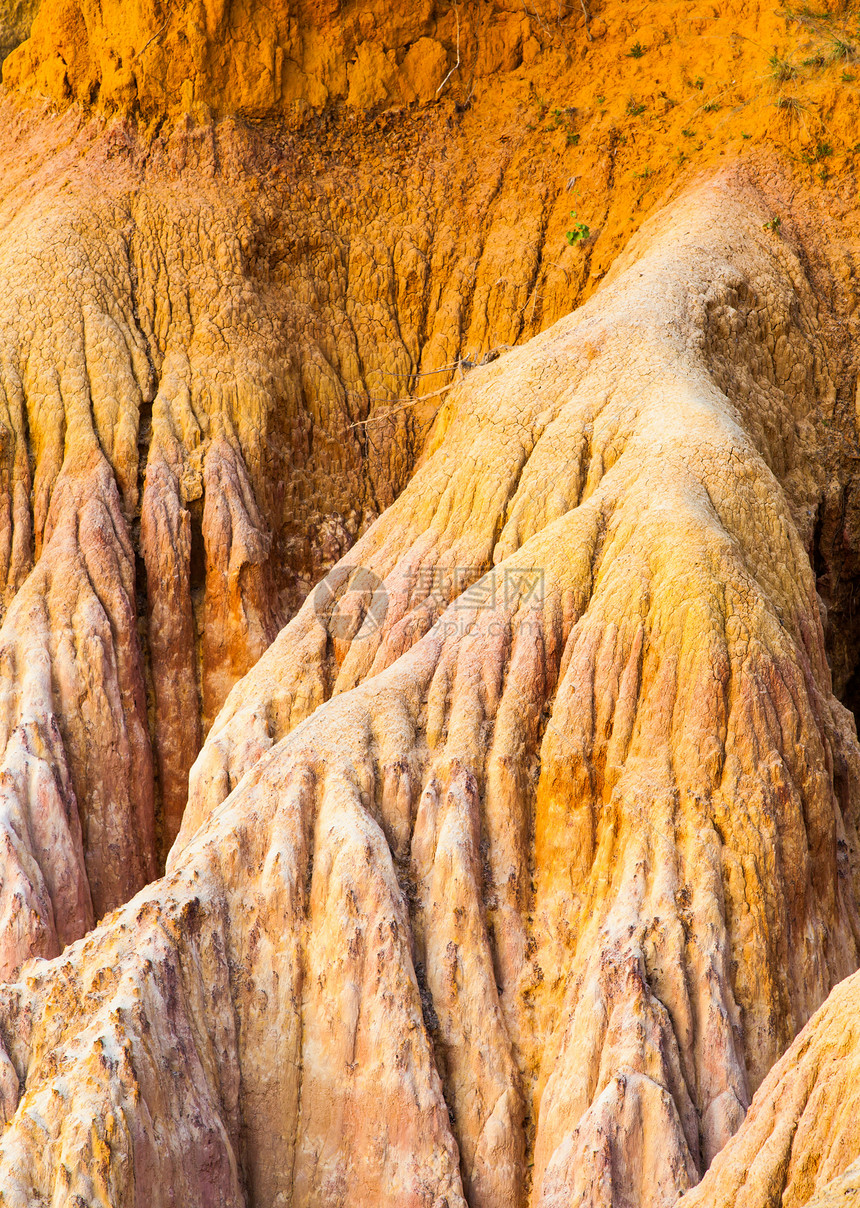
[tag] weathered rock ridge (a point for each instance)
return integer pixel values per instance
(517, 889)
(218, 370)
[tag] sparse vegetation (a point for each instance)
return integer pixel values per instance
(636, 51)
(562, 119)
(842, 51)
(634, 108)
(817, 154)
(806, 15)
(782, 69)
(837, 46)
(773, 224)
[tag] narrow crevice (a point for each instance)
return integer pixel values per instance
(835, 559)
(141, 608)
(197, 591)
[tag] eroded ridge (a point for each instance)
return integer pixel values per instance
(194, 333)
(519, 895)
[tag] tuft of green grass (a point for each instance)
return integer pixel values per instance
(634, 108)
(600, 100)
(712, 107)
(772, 224)
(689, 133)
(789, 104)
(745, 135)
(781, 69)
(636, 51)
(842, 51)
(847, 77)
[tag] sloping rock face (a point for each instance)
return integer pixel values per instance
(800, 1142)
(558, 849)
(202, 390)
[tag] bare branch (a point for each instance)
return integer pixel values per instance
(457, 64)
(463, 366)
(407, 403)
(157, 34)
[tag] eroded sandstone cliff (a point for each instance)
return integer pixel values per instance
(513, 865)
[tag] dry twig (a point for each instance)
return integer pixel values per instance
(457, 64)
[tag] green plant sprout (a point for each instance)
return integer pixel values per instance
(579, 233)
(821, 151)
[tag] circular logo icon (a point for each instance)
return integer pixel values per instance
(351, 601)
